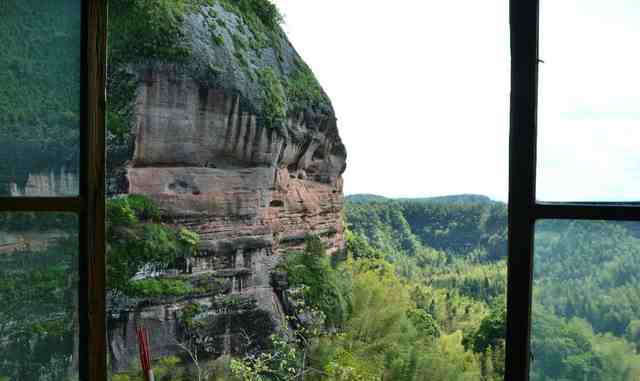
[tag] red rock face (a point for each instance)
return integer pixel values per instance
(260, 203)
(207, 151)
(251, 192)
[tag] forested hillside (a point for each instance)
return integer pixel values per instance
(40, 91)
(586, 289)
(417, 294)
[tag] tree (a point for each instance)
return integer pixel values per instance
(135, 238)
(492, 329)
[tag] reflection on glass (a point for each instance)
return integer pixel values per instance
(38, 296)
(586, 301)
(589, 108)
(39, 97)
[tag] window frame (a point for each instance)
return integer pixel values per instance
(89, 205)
(524, 210)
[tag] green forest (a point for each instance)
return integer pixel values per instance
(585, 311)
(418, 293)
(39, 117)
(39, 280)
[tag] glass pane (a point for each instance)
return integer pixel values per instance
(38, 296)
(586, 301)
(589, 101)
(39, 97)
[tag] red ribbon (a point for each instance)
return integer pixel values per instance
(145, 354)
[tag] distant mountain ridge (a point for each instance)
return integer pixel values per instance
(459, 199)
(365, 197)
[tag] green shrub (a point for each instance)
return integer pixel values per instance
(143, 29)
(189, 312)
(121, 92)
(241, 58)
(131, 209)
(152, 288)
(303, 89)
(275, 106)
(323, 287)
(143, 207)
(134, 240)
(119, 213)
(255, 12)
(265, 10)
(120, 377)
(217, 39)
(238, 42)
(189, 239)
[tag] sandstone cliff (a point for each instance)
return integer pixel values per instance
(231, 135)
(236, 140)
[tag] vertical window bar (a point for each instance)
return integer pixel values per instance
(93, 363)
(91, 202)
(522, 166)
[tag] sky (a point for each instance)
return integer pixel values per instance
(421, 93)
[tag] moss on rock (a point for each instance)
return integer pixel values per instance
(275, 104)
(236, 46)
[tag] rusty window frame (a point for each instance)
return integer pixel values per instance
(524, 209)
(88, 206)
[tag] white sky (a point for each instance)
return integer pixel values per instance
(421, 92)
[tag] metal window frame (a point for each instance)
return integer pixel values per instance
(89, 204)
(524, 210)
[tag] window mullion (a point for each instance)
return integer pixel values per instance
(522, 166)
(603, 212)
(93, 362)
(41, 204)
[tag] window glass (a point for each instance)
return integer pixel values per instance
(255, 182)
(589, 96)
(586, 301)
(39, 97)
(38, 296)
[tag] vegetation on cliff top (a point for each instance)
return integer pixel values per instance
(144, 30)
(152, 29)
(275, 102)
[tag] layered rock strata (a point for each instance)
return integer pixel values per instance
(206, 147)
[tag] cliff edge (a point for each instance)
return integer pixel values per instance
(216, 118)
(229, 132)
